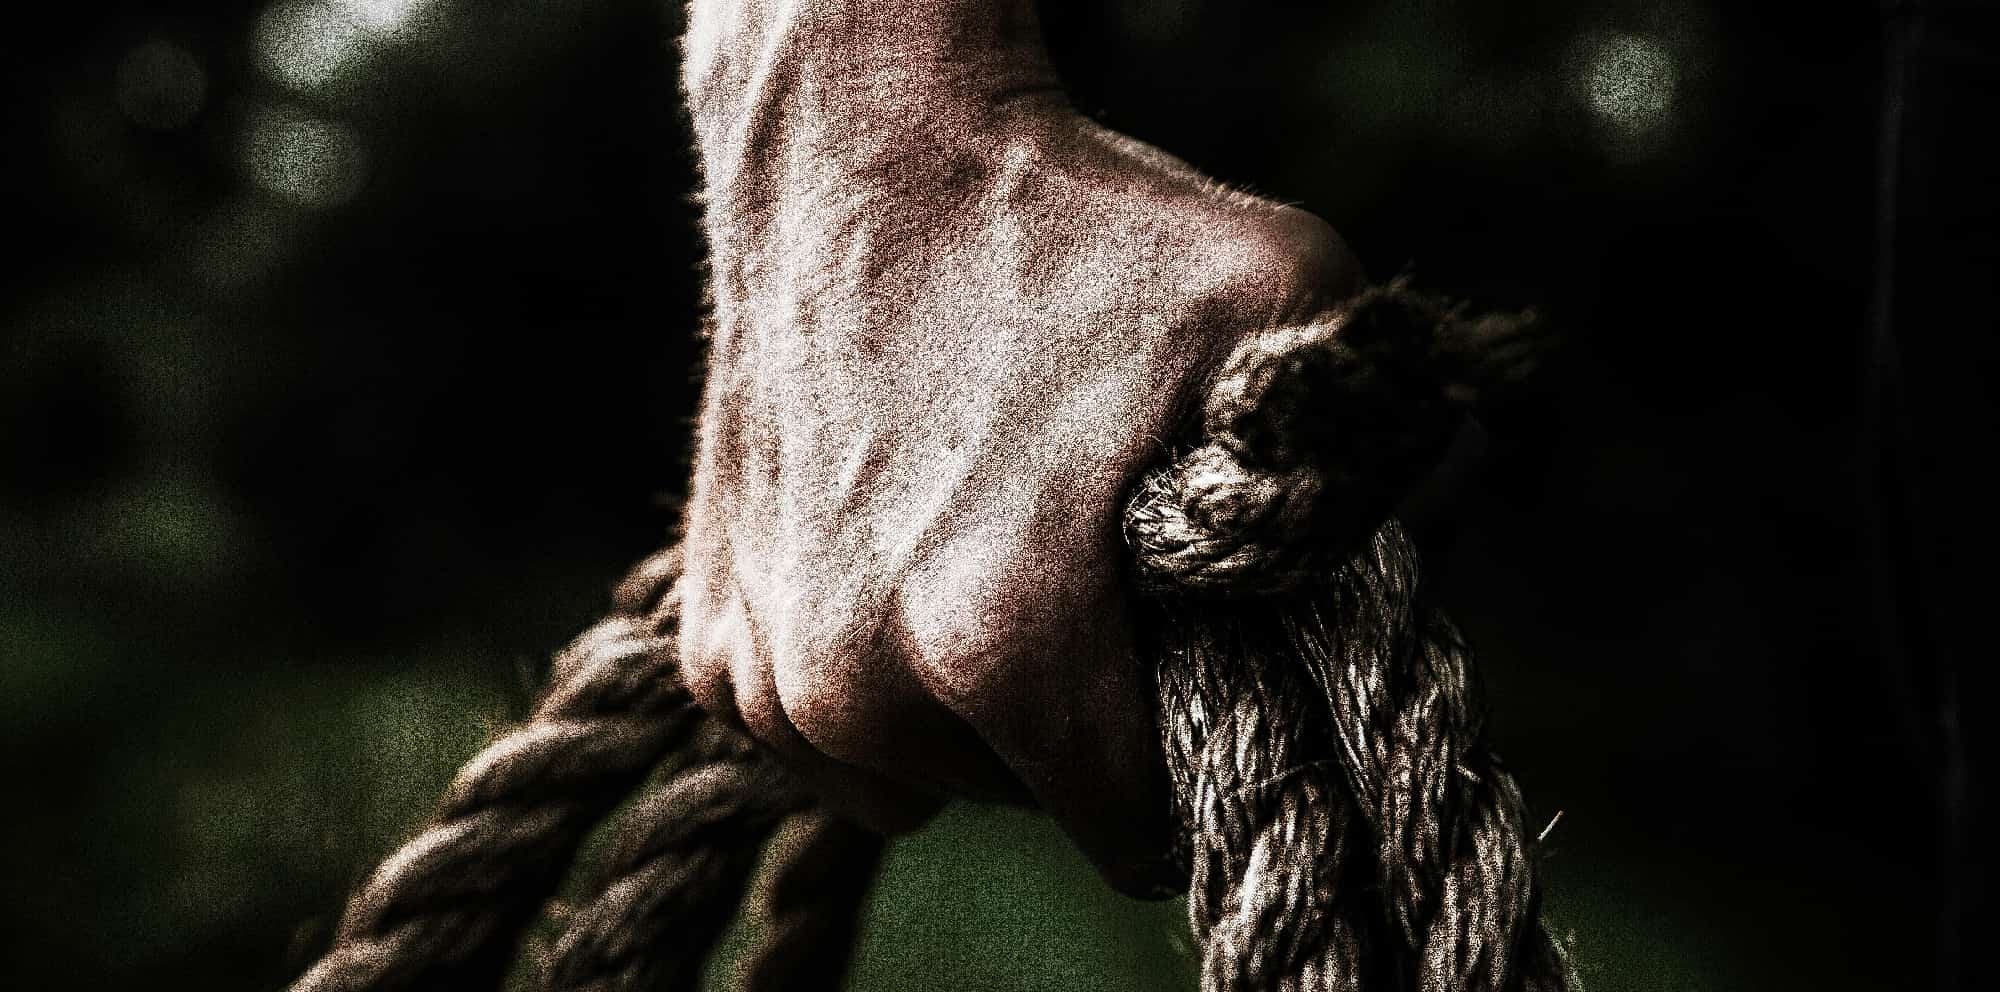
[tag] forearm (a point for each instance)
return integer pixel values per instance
(888, 59)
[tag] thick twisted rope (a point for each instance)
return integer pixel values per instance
(681, 867)
(1271, 847)
(816, 883)
(1348, 828)
(677, 871)
(446, 910)
(1321, 726)
(1309, 435)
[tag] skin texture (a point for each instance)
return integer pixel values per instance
(952, 322)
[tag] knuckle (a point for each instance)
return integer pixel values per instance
(1287, 261)
(845, 697)
(826, 714)
(969, 647)
(702, 644)
(763, 716)
(708, 680)
(953, 617)
(1320, 258)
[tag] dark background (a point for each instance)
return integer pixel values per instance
(336, 386)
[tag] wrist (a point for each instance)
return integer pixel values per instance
(882, 56)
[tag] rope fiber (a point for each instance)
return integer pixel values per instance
(679, 866)
(447, 910)
(1347, 827)
(1321, 723)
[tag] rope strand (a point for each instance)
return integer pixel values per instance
(677, 871)
(446, 910)
(817, 881)
(1326, 744)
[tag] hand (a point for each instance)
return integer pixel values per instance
(953, 320)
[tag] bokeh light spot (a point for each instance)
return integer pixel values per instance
(382, 17)
(1628, 82)
(309, 161)
(160, 85)
(310, 44)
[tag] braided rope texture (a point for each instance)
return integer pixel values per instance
(817, 879)
(446, 910)
(677, 871)
(1348, 828)
(1271, 845)
(1310, 434)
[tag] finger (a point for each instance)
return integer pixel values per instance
(742, 691)
(1069, 709)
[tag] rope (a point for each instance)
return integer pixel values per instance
(1270, 848)
(1321, 726)
(682, 859)
(446, 910)
(1348, 827)
(816, 885)
(1310, 435)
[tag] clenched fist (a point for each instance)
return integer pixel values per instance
(953, 320)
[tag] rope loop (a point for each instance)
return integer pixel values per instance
(1346, 825)
(1308, 436)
